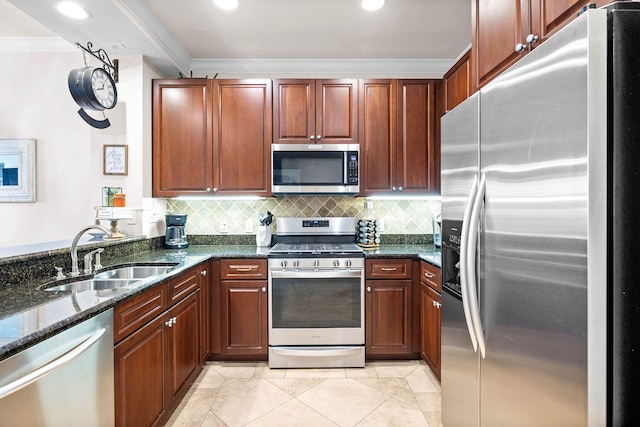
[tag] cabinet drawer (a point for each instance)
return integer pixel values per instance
(183, 285)
(430, 274)
(135, 312)
(244, 269)
(388, 269)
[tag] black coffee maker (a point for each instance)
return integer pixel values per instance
(176, 237)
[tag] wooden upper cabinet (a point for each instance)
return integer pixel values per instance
(457, 82)
(242, 136)
(504, 30)
(377, 123)
(418, 146)
(315, 111)
(398, 134)
(182, 143)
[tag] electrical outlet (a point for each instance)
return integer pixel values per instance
(380, 225)
(223, 227)
(248, 226)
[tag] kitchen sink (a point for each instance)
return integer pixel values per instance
(134, 272)
(95, 285)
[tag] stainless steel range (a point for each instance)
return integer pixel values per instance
(316, 294)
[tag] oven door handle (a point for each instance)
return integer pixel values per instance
(316, 352)
(313, 274)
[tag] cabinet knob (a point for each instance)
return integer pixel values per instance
(368, 288)
(312, 137)
(394, 189)
(433, 303)
(400, 188)
(264, 289)
(521, 47)
(215, 190)
(319, 137)
(203, 272)
(208, 189)
(532, 38)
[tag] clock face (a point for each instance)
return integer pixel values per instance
(103, 88)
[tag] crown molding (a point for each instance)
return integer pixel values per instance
(318, 68)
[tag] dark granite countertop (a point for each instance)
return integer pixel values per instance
(29, 315)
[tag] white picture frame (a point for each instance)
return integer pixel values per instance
(115, 160)
(17, 170)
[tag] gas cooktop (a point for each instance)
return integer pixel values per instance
(316, 248)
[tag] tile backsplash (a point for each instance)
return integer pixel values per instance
(399, 216)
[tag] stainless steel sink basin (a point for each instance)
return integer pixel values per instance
(134, 272)
(95, 285)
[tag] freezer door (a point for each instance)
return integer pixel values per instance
(535, 132)
(459, 362)
(459, 156)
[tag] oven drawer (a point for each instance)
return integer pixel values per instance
(388, 269)
(430, 274)
(243, 269)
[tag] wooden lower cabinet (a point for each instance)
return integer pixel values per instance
(239, 310)
(430, 313)
(244, 317)
(388, 317)
(388, 308)
(155, 363)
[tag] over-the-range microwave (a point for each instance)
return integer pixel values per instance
(315, 169)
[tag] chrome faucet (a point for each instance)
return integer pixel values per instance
(87, 260)
(74, 247)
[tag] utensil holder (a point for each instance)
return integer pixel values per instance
(263, 236)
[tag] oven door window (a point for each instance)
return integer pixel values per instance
(316, 303)
(304, 168)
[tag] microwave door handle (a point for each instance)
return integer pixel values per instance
(345, 176)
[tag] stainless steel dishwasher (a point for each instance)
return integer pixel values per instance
(66, 380)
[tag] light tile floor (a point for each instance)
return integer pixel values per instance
(383, 393)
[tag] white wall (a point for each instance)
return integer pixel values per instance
(35, 103)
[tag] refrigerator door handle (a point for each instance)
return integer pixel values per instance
(471, 256)
(464, 236)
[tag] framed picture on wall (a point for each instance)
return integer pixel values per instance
(115, 159)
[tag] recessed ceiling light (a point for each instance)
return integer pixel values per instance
(372, 4)
(72, 10)
(226, 4)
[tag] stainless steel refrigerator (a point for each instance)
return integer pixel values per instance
(540, 233)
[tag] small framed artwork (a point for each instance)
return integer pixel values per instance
(115, 159)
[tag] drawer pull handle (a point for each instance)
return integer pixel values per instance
(389, 268)
(429, 275)
(242, 270)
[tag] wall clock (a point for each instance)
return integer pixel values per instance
(93, 88)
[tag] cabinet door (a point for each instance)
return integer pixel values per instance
(242, 137)
(388, 317)
(184, 334)
(430, 303)
(205, 311)
(294, 111)
(497, 27)
(140, 371)
(182, 137)
(417, 151)
(548, 16)
(377, 135)
(337, 111)
(457, 82)
(244, 317)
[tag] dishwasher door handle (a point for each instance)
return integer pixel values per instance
(52, 366)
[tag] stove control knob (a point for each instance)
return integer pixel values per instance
(347, 263)
(316, 263)
(283, 263)
(296, 264)
(336, 263)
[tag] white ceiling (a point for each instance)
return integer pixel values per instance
(414, 38)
